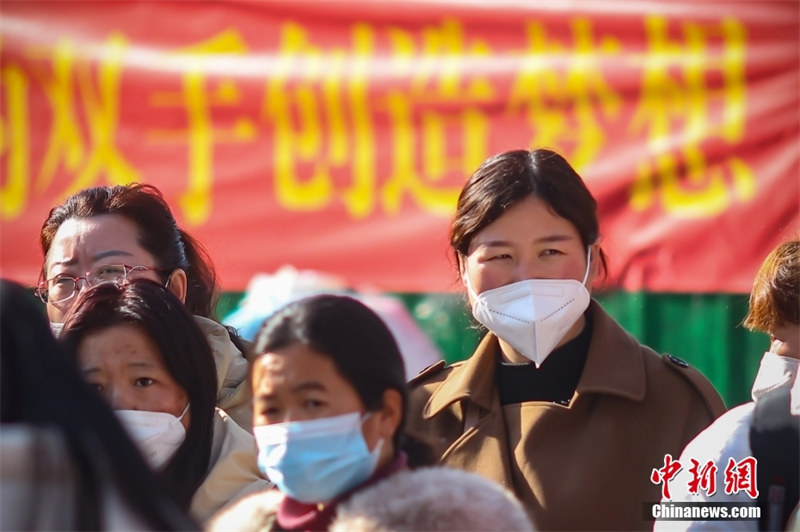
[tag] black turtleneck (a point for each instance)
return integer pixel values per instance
(554, 381)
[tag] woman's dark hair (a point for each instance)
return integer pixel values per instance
(356, 340)
(40, 386)
(508, 178)
(159, 234)
(775, 297)
(186, 355)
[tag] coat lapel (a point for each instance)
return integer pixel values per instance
(610, 350)
(483, 447)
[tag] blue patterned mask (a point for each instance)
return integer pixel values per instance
(317, 460)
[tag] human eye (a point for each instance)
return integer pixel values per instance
(61, 280)
(96, 386)
(144, 382)
(494, 254)
(313, 404)
(267, 411)
(61, 287)
(270, 412)
(108, 272)
(550, 252)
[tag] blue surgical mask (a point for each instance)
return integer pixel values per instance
(317, 460)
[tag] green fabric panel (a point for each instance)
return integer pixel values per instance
(227, 303)
(703, 329)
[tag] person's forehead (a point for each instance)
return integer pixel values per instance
(91, 229)
(530, 220)
(289, 366)
(82, 240)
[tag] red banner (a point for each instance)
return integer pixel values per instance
(335, 136)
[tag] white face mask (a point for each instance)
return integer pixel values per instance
(532, 316)
(776, 371)
(56, 328)
(158, 435)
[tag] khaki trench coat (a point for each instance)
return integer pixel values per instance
(585, 465)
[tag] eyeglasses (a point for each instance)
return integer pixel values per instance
(63, 287)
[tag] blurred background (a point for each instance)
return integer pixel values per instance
(321, 146)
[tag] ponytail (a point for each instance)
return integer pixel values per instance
(202, 289)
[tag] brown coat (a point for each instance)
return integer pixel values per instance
(581, 466)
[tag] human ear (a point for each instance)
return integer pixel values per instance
(595, 264)
(178, 284)
(391, 413)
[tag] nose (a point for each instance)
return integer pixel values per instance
(80, 285)
(527, 268)
(120, 400)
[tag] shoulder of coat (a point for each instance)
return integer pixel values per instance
(698, 381)
(427, 373)
(434, 374)
(253, 512)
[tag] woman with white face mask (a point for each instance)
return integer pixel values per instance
(558, 402)
(775, 310)
(142, 350)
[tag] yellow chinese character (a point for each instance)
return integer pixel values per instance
(563, 109)
(438, 72)
(102, 113)
(14, 139)
(681, 107)
(201, 134)
(84, 160)
(307, 101)
(65, 144)
(703, 192)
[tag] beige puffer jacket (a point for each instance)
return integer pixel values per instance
(233, 390)
(232, 472)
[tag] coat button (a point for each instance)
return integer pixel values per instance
(677, 361)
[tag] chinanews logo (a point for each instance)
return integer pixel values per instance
(738, 476)
(700, 511)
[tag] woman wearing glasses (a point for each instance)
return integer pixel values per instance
(141, 349)
(128, 232)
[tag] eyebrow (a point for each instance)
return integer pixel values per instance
(302, 387)
(101, 255)
(143, 364)
(542, 240)
(309, 385)
(112, 253)
(146, 365)
(70, 262)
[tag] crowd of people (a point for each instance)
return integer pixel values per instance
(137, 409)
